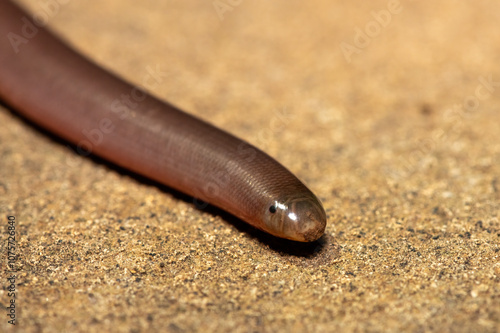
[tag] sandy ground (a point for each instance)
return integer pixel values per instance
(387, 110)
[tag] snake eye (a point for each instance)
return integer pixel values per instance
(272, 209)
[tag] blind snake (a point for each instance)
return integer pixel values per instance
(60, 90)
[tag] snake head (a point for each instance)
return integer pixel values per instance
(300, 217)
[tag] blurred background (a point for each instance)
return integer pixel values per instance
(388, 110)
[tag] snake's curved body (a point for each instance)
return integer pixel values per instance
(60, 90)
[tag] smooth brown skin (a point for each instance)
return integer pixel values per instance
(57, 88)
